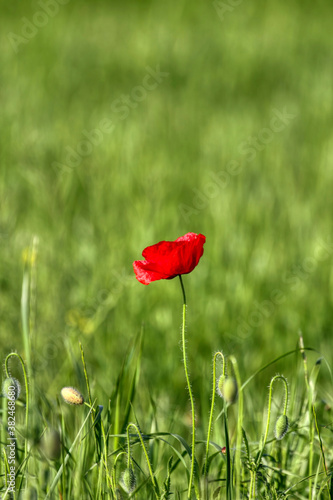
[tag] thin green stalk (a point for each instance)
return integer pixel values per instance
(67, 457)
(87, 379)
(11, 495)
(286, 397)
(117, 422)
(93, 412)
(32, 302)
(189, 390)
(238, 465)
(210, 423)
(25, 314)
(114, 473)
(311, 429)
(228, 457)
(26, 335)
(146, 455)
(321, 446)
(104, 456)
(310, 382)
(253, 485)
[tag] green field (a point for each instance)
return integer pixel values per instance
(124, 124)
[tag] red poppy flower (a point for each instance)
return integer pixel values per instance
(168, 259)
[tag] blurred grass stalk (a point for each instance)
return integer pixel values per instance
(28, 317)
(25, 316)
(28, 301)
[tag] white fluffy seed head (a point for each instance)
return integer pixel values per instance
(72, 396)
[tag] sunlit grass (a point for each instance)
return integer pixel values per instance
(267, 269)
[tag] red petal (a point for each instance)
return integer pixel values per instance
(167, 259)
(144, 272)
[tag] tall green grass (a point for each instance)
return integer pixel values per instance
(191, 156)
(104, 449)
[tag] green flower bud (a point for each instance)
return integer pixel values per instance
(11, 388)
(227, 388)
(72, 396)
(50, 444)
(128, 480)
(281, 426)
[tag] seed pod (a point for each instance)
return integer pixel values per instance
(281, 426)
(227, 388)
(72, 396)
(11, 388)
(50, 444)
(128, 480)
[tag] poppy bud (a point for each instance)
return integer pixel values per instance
(128, 480)
(227, 388)
(11, 388)
(281, 426)
(51, 444)
(72, 396)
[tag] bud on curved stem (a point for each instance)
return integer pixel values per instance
(286, 397)
(281, 427)
(210, 424)
(153, 480)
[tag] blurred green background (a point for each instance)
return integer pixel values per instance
(68, 67)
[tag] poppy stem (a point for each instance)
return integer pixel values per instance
(183, 289)
(189, 390)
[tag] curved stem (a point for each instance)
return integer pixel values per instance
(286, 396)
(26, 397)
(210, 424)
(128, 449)
(113, 473)
(146, 455)
(189, 390)
(253, 486)
(239, 426)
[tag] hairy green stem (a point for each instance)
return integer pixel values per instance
(311, 429)
(146, 455)
(286, 397)
(189, 390)
(210, 423)
(238, 464)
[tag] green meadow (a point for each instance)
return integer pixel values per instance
(124, 124)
